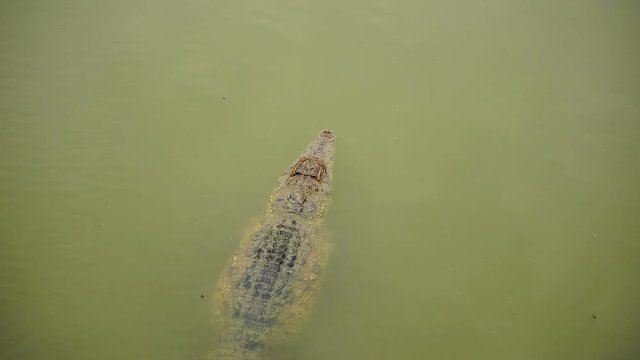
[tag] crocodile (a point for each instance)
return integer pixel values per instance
(268, 286)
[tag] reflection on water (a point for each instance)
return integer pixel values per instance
(485, 201)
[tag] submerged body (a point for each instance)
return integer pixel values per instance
(268, 286)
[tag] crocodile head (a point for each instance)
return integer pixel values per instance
(315, 164)
(305, 186)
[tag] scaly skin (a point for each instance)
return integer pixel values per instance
(268, 287)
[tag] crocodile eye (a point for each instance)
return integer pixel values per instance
(309, 167)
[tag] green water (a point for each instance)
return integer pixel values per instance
(486, 201)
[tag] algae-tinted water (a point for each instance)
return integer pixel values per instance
(486, 195)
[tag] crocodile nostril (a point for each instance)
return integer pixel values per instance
(328, 133)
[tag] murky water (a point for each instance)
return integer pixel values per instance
(486, 194)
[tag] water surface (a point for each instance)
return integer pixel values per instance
(486, 184)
